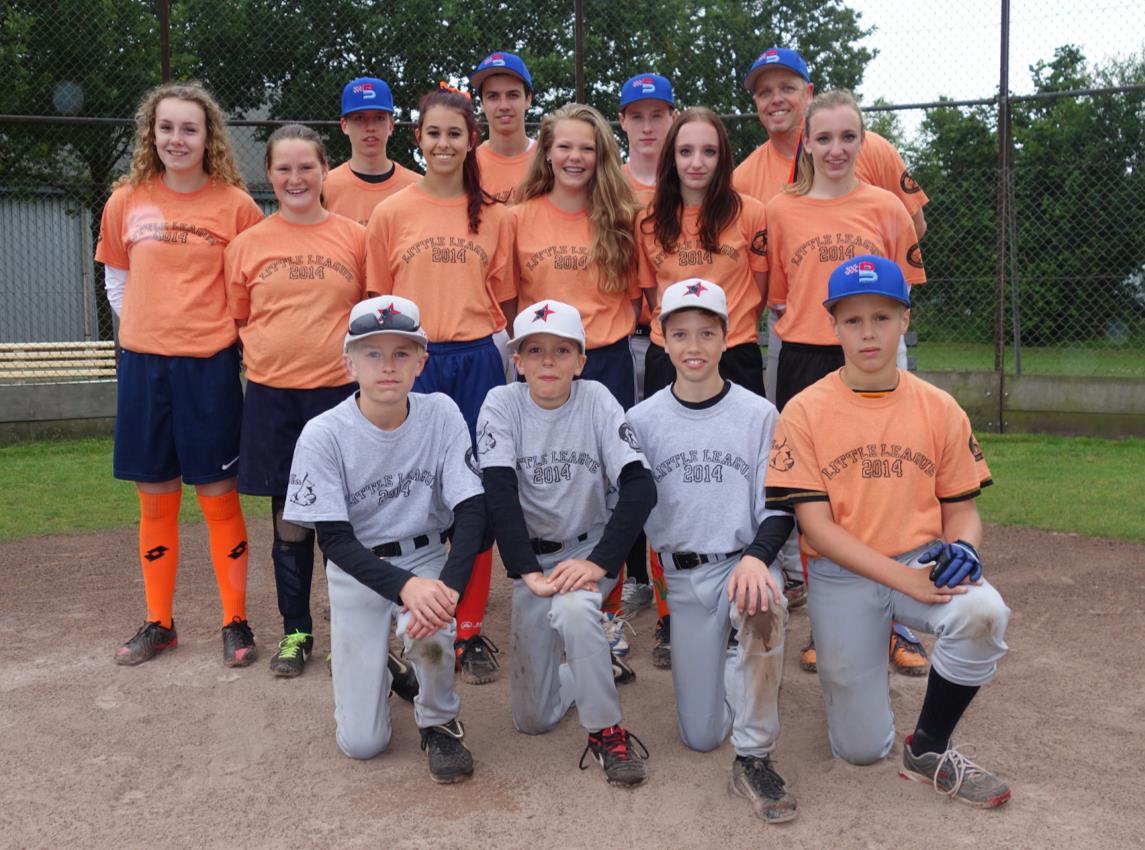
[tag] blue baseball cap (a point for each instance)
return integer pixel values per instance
(500, 62)
(867, 275)
(647, 87)
(367, 93)
(776, 57)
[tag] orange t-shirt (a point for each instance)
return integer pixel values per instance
(501, 175)
(351, 196)
(765, 172)
(551, 250)
(807, 239)
(171, 243)
(420, 247)
(643, 191)
(885, 461)
(295, 284)
(742, 252)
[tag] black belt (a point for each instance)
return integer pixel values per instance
(547, 547)
(691, 560)
(394, 548)
(642, 330)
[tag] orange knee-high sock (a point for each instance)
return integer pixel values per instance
(159, 551)
(612, 602)
(227, 530)
(475, 599)
(659, 585)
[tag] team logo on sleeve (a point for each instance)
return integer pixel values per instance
(759, 243)
(471, 462)
(914, 256)
(303, 494)
(486, 442)
(908, 184)
(975, 449)
(629, 436)
(781, 457)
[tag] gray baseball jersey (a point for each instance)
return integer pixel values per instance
(389, 485)
(566, 459)
(709, 468)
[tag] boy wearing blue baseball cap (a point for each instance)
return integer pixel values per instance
(355, 187)
(647, 110)
(505, 86)
(881, 470)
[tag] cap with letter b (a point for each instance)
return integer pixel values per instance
(647, 87)
(776, 57)
(385, 314)
(500, 62)
(548, 317)
(694, 293)
(367, 93)
(867, 275)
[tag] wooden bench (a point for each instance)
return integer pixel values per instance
(56, 361)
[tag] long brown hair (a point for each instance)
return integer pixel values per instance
(721, 204)
(218, 155)
(470, 171)
(612, 207)
(827, 100)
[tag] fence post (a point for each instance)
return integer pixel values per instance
(578, 48)
(165, 40)
(1003, 205)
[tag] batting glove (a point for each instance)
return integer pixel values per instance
(959, 562)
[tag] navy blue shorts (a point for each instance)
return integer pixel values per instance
(464, 371)
(272, 420)
(178, 417)
(613, 366)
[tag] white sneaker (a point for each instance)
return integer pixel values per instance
(635, 597)
(614, 627)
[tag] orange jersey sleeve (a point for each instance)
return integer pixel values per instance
(355, 198)
(172, 243)
(282, 278)
(420, 247)
(551, 250)
(742, 252)
(807, 239)
(885, 462)
(880, 165)
(501, 175)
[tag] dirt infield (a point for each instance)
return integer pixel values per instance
(182, 751)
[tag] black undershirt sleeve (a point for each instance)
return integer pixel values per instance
(636, 500)
(769, 539)
(503, 506)
(339, 544)
(468, 540)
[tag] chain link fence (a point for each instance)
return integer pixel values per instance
(1035, 251)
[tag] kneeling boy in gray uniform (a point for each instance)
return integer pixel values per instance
(707, 441)
(552, 450)
(381, 477)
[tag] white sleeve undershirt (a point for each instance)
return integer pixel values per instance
(114, 281)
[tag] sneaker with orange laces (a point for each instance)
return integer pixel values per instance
(907, 653)
(613, 750)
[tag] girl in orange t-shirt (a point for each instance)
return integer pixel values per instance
(303, 267)
(827, 216)
(445, 244)
(574, 240)
(698, 225)
(179, 401)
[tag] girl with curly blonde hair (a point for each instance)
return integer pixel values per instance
(179, 401)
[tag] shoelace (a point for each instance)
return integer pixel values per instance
(614, 627)
(242, 627)
(481, 645)
(764, 775)
(962, 768)
(291, 645)
(617, 741)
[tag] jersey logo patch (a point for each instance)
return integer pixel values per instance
(975, 449)
(914, 256)
(759, 243)
(486, 442)
(629, 436)
(908, 184)
(471, 462)
(304, 495)
(781, 457)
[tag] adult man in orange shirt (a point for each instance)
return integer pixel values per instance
(781, 89)
(505, 87)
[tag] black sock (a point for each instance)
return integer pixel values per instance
(942, 708)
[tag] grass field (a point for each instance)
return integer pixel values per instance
(1074, 362)
(1075, 484)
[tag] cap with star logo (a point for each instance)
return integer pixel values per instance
(548, 317)
(385, 314)
(695, 292)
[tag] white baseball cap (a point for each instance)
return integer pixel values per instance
(548, 317)
(695, 292)
(385, 314)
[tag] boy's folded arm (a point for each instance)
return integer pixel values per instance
(468, 540)
(503, 507)
(340, 545)
(636, 499)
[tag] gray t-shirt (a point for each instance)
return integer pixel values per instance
(566, 459)
(389, 485)
(709, 467)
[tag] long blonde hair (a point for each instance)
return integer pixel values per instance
(612, 206)
(218, 155)
(805, 176)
